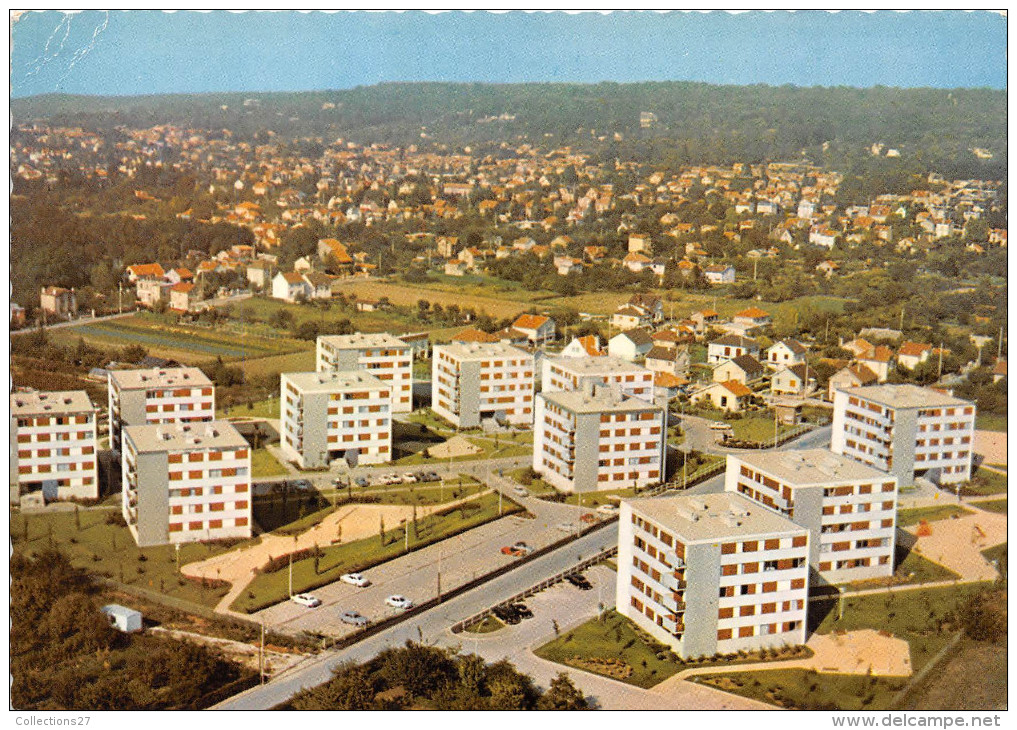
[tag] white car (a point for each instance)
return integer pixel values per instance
(720, 426)
(565, 527)
(306, 599)
(408, 478)
(521, 491)
(399, 602)
(355, 579)
(607, 509)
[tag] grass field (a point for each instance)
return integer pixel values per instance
(180, 342)
(909, 517)
(309, 573)
(915, 616)
(615, 647)
(263, 465)
(271, 366)
(993, 505)
(990, 422)
(753, 426)
(110, 550)
(268, 408)
(487, 626)
(985, 482)
(406, 294)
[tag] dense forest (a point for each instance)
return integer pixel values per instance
(696, 123)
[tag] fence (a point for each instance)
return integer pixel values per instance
(699, 475)
(537, 588)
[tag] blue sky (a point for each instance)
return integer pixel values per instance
(142, 52)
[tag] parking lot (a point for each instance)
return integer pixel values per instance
(462, 558)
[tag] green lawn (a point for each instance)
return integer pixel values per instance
(263, 465)
(534, 484)
(110, 550)
(915, 568)
(990, 422)
(909, 517)
(752, 426)
(268, 408)
(993, 505)
(918, 616)
(270, 588)
(506, 445)
(487, 626)
(985, 482)
(997, 553)
(289, 512)
(615, 647)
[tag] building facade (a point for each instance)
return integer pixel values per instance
(53, 446)
(382, 355)
(158, 395)
(849, 508)
(335, 415)
(598, 438)
(186, 482)
(906, 431)
(573, 373)
(712, 573)
(475, 381)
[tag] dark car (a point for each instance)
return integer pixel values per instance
(301, 485)
(361, 481)
(522, 610)
(507, 615)
(579, 581)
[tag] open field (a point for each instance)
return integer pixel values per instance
(983, 663)
(985, 482)
(263, 465)
(271, 366)
(109, 550)
(409, 294)
(332, 561)
(993, 505)
(914, 616)
(180, 342)
(909, 517)
(990, 422)
(615, 647)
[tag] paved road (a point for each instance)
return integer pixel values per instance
(428, 626)
(73, 323)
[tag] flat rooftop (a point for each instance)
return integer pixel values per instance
(906, 396)
(332, 382)
(602, 400)
(44, 403)
(604, 365)
(704, 517)
(810, 467)
(185, 436)
(362, 341)
(159, 378)
(482, 350)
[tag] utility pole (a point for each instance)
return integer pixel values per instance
(941, 358)
(261, 655)
(291, 575)
(999, 345)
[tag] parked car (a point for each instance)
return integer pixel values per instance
(354, 618)
(565, 527)
(522, 547)
(521, 491)
(579, 581)
(588, 518)
(398, 601)
(720, 426)
(522, 610)
(355, 579)
(608, 509)
(306, 599)
(507, 615)
(409, 478)
(302, 485)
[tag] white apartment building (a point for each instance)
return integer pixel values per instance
(382, 355)
(159, 395)
(478, 380)
(712, 573)
(573, 373)
(849, 508)
(905, 430)
(186, 482)
(335, 415)
(53, 446)
(598, 438)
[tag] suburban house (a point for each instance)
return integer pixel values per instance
(753, 318)
(743, 369)
(588, 346)
(319, 285)
(290, 286)
(150, 292)
(718, 274)
(183, 297)
(785, 353)
(539, 330)
(630, 345)
(851, 376)
(999, 371)
(672, 360)
(878, 360)
(628, 317)
(58, 301)
(912, 354)
(704, 319)
(729, 347)
(731, 396)
(145, 271)
(259, 273)
(792, 380)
